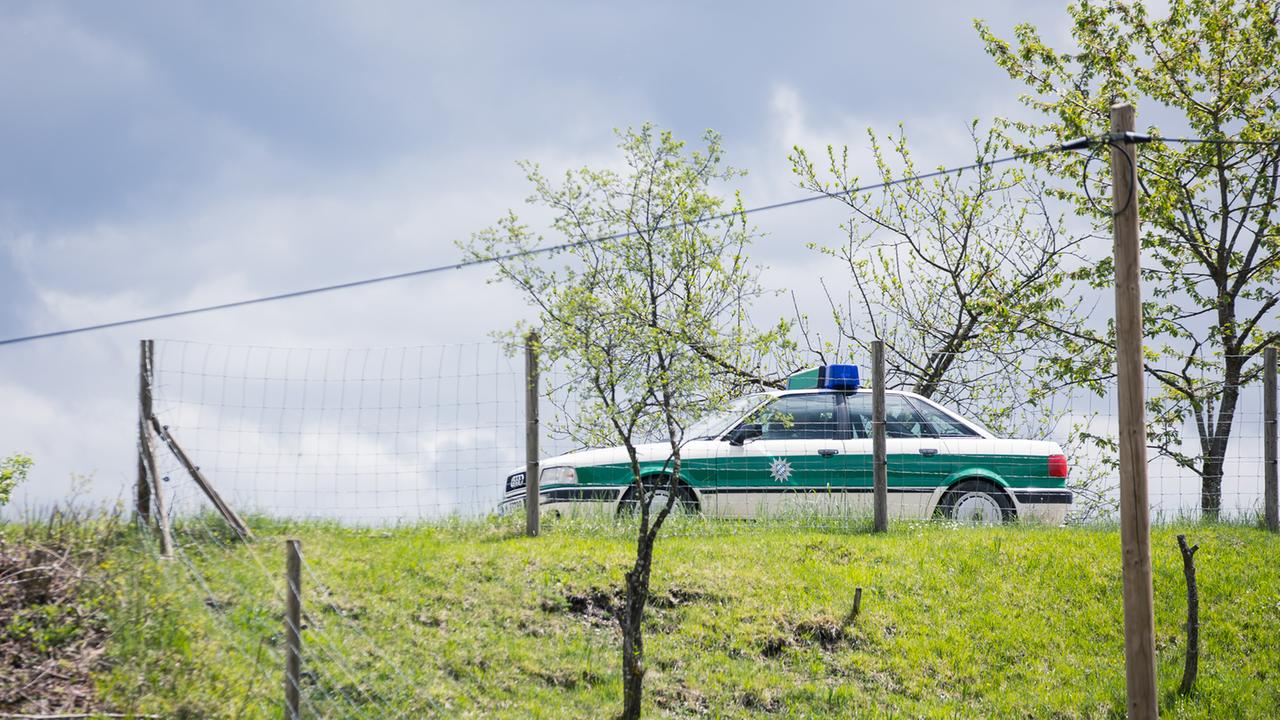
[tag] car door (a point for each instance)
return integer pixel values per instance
(793, 464)
(916, 463)
(855, 461)
(959, 446)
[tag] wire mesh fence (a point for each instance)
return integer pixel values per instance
(404, 440)
(383, 436)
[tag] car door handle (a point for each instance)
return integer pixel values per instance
(928, 451)
(828, 452)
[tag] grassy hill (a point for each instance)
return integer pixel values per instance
(473, 620)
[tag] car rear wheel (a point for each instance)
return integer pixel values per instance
(977, 502)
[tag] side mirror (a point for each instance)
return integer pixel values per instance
(745, 432)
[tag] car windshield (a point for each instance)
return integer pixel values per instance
(714, 424)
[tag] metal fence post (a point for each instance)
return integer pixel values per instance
(1271, 498)
(879, 459)
(293, 630)
(532, 521)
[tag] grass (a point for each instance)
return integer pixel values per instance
(472, 620)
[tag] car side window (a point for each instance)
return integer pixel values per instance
(798, 417)
(859, 406)
(901, 419)
(942, 424)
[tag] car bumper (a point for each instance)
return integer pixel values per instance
(1047, 506)
(566, 500)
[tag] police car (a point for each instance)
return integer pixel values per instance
(808, 449)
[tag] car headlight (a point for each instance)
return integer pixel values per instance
(559, 476)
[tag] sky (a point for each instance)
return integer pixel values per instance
(163, 155)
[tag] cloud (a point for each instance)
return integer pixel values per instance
(162, 155)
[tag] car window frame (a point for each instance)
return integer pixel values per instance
(843, 427)
(926, 430)
(918, 402)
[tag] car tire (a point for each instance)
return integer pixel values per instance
(977, 502)
(686, 502)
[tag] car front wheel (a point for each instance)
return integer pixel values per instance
(685, 500)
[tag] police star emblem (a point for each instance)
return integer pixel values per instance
(780, 470)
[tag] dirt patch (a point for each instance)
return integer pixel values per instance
(51, 637)
(601, 606)
(681, 699)
(567, 680)
(596, 606)
(824, 632)
(760, 701)
(674, 597)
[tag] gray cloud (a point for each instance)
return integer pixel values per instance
(159, 155)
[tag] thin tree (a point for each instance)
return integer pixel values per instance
(1211, 69)
(647, 327)
(963, 276)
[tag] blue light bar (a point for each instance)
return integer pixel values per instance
(841, 377)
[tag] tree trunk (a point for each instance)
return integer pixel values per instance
(1219, 435)
(632, 632)
(1211, 487)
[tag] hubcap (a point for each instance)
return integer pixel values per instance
(659, 500)
(978, 508)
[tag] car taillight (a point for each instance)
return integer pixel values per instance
(1058, 466)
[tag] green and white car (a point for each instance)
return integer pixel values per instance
(808, 449)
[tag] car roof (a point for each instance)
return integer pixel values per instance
(983, 431)
(819, 391)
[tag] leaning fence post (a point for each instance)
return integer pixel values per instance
(1271, 498)
(879, 461)
(293, 629)
(531, 485)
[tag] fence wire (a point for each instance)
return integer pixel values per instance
(374, 441)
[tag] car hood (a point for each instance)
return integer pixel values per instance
(617, 455)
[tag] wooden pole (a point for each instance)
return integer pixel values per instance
(1135, 511)
(142, 490)
(532, 520)
(293, 629)
(147, 449)
(856, 609)
(1192, 664)
(879, 453)
(203, 482)
(148, 453)
(1271, 498)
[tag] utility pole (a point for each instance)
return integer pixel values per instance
(1135, 510)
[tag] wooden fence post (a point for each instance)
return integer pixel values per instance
(293, 629)
(142, 490)
(532, 486)
(147, 451)
(1271, 498)
(1135, 510)
(879, 459)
